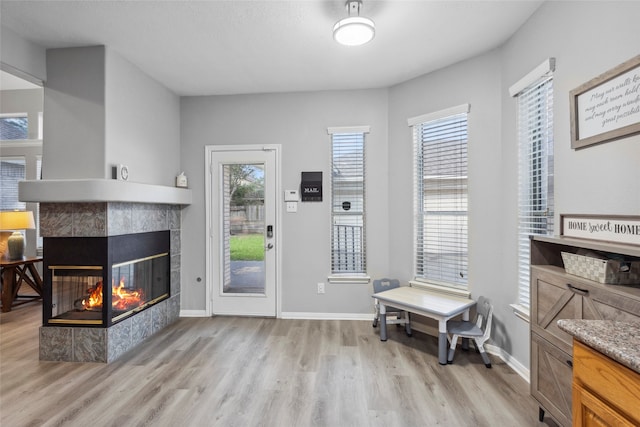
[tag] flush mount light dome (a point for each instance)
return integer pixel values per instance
(354, 30)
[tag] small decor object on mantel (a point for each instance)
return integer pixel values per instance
(181, 180)
(606, 107)
(120, 172)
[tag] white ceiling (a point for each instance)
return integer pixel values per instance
(233, 47)
(11, 82)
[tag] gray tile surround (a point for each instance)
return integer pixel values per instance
(56, 344)
(105, 345)
(103, 219)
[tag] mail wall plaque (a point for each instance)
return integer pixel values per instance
(311, 187)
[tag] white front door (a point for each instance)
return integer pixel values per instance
(242, 213)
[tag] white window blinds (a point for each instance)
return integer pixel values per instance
(348, 237)
(14, 127)
(12, 170)
(535, 171)
(440, 197)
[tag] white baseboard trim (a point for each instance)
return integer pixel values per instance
(518, 367)
(326, 316)
(193, 313)
(494, 350)
(296, 315)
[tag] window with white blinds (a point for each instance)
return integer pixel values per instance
(12, 170)
(440, 197)
(14, 126)
(535, 171)
(348, 237)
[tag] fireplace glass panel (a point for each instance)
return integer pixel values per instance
(79, 297)
(138, 283)
(76, 294)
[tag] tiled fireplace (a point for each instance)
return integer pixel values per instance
(112, 277)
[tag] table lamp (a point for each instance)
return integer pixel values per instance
(14, 221)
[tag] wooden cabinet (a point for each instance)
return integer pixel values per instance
(551, 379)
(557, 295)
(605, 393)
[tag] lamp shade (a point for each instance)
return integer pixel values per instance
(16, 220)
(354, 31)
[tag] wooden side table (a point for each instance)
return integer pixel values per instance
(14, 274)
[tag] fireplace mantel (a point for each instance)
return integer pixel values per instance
(100, 190)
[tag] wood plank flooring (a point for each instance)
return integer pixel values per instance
(231, 371)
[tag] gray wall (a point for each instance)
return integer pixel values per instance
(299, 122)
(587, 39)
(142, 124)
(601, 179)
(101, 110)
(74, 114)
(477, 82)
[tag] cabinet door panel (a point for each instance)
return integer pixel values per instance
(615, 387)
(551, 379)
(589, 411)
(603, 304)
(553, 300)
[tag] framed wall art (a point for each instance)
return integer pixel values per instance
(606, 107)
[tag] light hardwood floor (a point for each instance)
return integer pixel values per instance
(230, 371)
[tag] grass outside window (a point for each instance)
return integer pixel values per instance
(247, 247)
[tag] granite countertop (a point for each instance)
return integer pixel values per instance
(618, 340)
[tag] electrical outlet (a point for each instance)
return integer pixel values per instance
(320, 288)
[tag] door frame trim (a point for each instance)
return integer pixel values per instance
(211, 228)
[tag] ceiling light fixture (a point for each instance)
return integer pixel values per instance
(354, 30)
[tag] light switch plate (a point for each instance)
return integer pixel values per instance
(291, 196)
(292, 206)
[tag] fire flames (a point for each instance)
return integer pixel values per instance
(122, 298)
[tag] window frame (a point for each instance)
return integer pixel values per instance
(538, 164)
(360, 276)
(459, 288)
